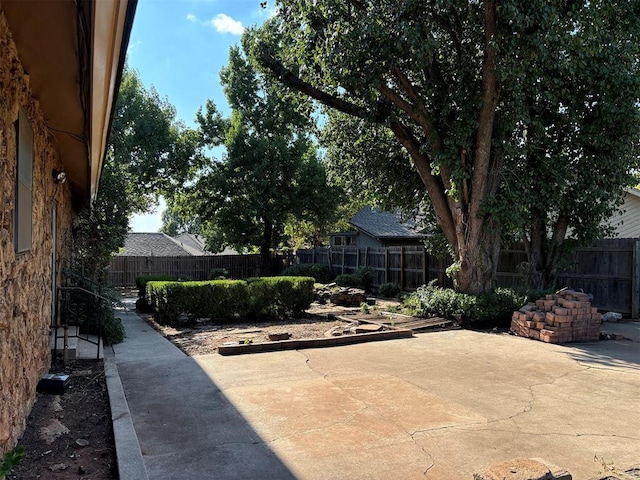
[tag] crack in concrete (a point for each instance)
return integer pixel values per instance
(308, 364)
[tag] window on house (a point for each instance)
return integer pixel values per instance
(22, 220)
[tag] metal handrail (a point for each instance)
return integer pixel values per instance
(65, 326)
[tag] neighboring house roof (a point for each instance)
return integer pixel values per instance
(194, 241)
(197, 245)
(154, 245)
(384, 225)
(74, 53)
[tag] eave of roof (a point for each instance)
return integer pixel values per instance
(73, 52)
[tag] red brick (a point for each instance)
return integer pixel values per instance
(561, 311)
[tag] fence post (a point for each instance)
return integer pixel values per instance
(401, 268)
(386, 265)
(635, 280)
(424, 266)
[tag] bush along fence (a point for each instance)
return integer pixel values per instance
(608, 269)
(175, 303)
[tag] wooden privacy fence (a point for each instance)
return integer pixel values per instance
(124, 270)
(609, 269)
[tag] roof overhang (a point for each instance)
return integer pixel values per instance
(74, 53)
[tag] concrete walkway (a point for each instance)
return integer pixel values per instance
(438, 406)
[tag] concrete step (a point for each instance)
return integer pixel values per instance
(72, 341)
(77, 345)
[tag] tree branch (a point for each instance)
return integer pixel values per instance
(486, 117)
(434, 186)
(427, 124)
(291, 80)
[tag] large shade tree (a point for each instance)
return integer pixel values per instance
(449, 80)
(149, 153)
(270, 171)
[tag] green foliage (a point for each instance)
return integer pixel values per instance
(477, 311)
(361, 278)
(280, 296)
(149, 154)
(388, 290)
(112, 329)
(142, 280)
(225, 300)
(220, 300)
(175, 221)
(533, 131)
(348, 280)
(270, 173)
(321, 273)
(364, 308)
(10, 460)
(218, 274)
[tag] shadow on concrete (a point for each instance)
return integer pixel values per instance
(186, 426)
(607, 354)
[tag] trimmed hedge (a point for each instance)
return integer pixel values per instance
(280, 296)
(224, 300)
(142, 280)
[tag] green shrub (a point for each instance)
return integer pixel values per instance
(218, 274)
(10, 460)
(216, 299)
(477, 311)
(112, 329)
(361, 278)
(348, 280)
(388, 290)
(142, 280)
(280, 296)
(321, 273)
(224, 300)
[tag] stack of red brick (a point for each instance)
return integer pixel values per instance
(564, 317)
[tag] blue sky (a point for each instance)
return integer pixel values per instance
(179, 47)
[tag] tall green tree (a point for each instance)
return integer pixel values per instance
(575, 147)
(270, 172)
(149, 153)
(445, 78)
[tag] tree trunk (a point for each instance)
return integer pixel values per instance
(265, 248)
(544, 254)
(477, 263)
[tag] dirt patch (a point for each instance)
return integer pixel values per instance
(203, 338)
(70, 436)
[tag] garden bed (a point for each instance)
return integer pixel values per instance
(320, 322)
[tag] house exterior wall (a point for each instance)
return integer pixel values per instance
(628, 222)
(25, 278)
(363, 241)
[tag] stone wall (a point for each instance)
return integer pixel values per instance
(25, 278)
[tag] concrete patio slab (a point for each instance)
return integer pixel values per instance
(439, 406)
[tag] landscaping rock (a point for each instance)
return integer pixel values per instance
(368, 328)
(278, 336)
(348, 297)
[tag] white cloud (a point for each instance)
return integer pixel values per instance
(221, 23)
(225, 24)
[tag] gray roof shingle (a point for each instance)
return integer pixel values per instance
(380, 224)
(152, 244)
